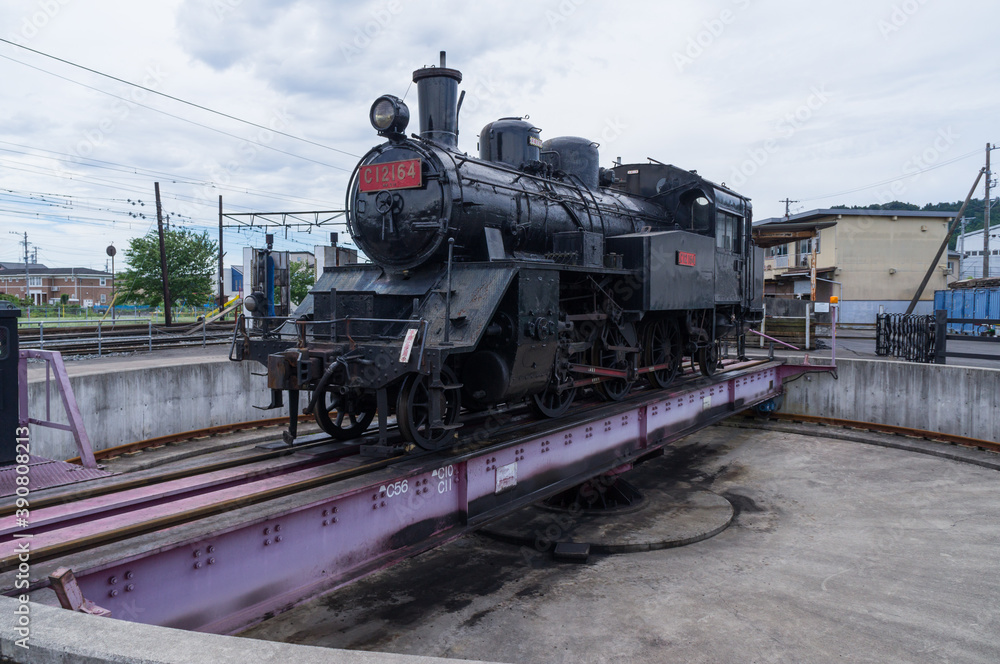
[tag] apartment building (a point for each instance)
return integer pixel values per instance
(872, 259)
(84, 286)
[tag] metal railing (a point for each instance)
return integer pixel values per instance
(908, 337)
(110, 336)
(96, 337)
(54, 364)
(987, 326)
(919, 338)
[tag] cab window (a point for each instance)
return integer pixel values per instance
(728, 232)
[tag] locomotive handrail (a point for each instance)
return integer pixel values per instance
(269, 319)
(347, 320)
(579, 187)
(458, 173)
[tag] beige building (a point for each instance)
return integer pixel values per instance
(871, 259)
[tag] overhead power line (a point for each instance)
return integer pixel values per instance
(890, 180)
(177, 99)
(145, 173)
(172, 115)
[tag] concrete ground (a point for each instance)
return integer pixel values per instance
(840, 551)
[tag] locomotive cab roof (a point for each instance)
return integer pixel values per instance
(658, 181)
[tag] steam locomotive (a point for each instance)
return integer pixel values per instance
(529, 274)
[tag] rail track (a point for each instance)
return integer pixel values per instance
(875, 427)
(112, 337)
(62, 525)
(76, 520)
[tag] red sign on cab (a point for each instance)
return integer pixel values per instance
(686, 258)
(391, 175)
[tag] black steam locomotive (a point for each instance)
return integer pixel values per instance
(528, 273)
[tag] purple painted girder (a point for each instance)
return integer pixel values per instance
(268, 558)
(47, 517)
(117, 520)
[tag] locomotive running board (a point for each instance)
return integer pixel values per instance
(335, 534)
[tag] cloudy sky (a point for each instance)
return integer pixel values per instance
(848, 102)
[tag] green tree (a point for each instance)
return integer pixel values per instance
(191, 261)
(302, 278)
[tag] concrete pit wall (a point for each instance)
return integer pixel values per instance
(127, 406)
(963, 401)
(50, 635)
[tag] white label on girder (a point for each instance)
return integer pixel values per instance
(394, 489)
(706, 403)
(445, 478)
(404, 352)
(506, 477)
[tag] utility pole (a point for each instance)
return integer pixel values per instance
(814, 242)
(111, 251)
(27, 292)
(163, 257)
(788, 204)
(944, 244)
(961, 248)
(222, 276)
(986, 218)
(27, 281)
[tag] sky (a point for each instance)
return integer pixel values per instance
(824, 103)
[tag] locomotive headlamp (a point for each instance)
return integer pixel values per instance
(389, 115)
(253, 301)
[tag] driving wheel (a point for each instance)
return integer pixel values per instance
(663, 346)
(609, 355)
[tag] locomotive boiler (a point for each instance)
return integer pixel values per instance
(526, 273)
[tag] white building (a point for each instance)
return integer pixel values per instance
(970, 248)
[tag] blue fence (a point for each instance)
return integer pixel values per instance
(970, 304)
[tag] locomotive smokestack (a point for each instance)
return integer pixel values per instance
(437, 98)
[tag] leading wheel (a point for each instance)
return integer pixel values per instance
(708, 359)
(663, 346)
(610, 355)
(413, 409)
(343, 418)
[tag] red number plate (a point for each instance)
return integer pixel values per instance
(686, 258)
(391, 175)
